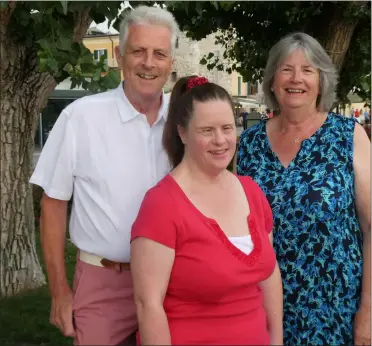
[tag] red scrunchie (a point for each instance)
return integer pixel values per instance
(192, 82)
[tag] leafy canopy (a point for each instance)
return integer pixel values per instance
(48, 27)
(247, 30)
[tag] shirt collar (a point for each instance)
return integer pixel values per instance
(128, 112)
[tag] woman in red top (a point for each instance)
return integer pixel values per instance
(204, 270)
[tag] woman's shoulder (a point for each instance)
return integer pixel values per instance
(250, 186)
(253, 131)
(341, 121)
(161, 193)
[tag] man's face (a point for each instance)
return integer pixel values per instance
(147, 59)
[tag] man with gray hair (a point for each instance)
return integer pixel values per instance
(106, 150)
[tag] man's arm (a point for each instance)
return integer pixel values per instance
(53, 237)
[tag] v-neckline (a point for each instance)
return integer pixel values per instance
(299, 152)
(249, 259)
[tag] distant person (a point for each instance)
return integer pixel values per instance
(204, 272)
(106, 151)
(366, 114)
(352, 112)
(244, 119)
(314, 168)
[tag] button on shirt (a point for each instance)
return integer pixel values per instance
(104, 152)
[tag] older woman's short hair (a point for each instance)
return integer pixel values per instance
(316, 55)
(149, 15)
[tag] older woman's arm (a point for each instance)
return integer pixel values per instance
(362, 171)
(151, 266)
(273, 304)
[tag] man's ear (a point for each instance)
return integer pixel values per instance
(119, 57)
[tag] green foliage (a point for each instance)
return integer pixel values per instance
(47, 27)
(247, 30)
(25, 318)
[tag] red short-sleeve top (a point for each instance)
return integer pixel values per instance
(213, 296)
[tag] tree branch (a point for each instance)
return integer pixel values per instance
(82, 21)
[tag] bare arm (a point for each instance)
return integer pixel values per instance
(362, 171)
(151, 266)
(273, 304)
(53, 235)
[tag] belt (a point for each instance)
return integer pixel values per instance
(102, 262)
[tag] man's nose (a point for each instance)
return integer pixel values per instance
(149, 61)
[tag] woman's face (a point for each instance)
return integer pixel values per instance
(210, 137)
(296, 83)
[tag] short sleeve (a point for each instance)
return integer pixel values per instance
(156, 219)
(54, 169)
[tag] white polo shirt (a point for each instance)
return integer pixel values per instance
(103, 151)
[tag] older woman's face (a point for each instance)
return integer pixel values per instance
(296, 82)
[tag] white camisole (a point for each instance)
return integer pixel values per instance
(243, 243)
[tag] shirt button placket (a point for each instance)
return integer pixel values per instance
(151, 151)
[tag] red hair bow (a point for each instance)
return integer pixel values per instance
(192, 82)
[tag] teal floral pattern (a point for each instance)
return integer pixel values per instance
(317, 238)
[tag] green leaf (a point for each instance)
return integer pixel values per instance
(111, 80)
(68, 67)
(42, 64)
(4, 4)
(64, 43)
(97, 75)
(52, 64)
(44, 43)
(215, 4)
(210, 55)
(203, 61)
(73, 83)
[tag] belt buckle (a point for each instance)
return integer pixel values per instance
(111, 264)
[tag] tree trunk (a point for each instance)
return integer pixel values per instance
(24, 92)
(337, 32)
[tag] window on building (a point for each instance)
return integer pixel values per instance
(99, 52)
(252, 88)
(239, 86)
(174, 76)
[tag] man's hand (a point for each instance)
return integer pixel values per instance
(362, 326)
(61, 314)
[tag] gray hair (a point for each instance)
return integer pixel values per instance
(148, 15)
(317, 56)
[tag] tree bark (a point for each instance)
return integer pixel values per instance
(24, 93)
(338, 32)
